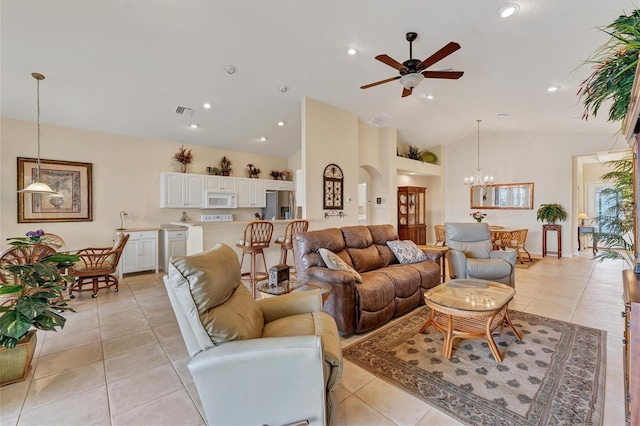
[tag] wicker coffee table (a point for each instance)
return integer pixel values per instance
(469, 309)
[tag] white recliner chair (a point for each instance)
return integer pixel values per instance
(471, 254)
(275, 361)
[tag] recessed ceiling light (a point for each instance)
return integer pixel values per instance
(284, 88)
(552, 88)
(207, 105)
(280, 123)
(352, 51)
(230, 69)
(262, 139)
(508, 10)
(194, 125)
(430, 97)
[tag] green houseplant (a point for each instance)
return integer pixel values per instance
(30, 298)
(615, 224)
(551, 212)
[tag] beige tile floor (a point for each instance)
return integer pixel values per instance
(121, 360)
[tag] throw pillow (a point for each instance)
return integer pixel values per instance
(406, 251)
(334, 262)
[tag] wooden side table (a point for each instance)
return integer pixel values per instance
(442, 260)
(551, 227)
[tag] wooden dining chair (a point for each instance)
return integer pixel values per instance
(441, 239)
(22, 256)
(53, 240)
(518, 240)
(495, 240)
(97, 266)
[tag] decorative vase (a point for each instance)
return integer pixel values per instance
(183, 167)
(478, 219)
(15, 363)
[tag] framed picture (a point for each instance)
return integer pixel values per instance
(70, 179)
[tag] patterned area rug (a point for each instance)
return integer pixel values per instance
(527, 264)
(555, 376)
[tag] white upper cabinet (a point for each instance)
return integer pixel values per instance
(221, 183)
(180, 190)
(252, 192)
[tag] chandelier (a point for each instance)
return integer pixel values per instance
(479, 179)
(37, 186)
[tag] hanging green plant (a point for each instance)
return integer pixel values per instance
(614, 65)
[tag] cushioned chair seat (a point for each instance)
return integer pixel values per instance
(488, 269)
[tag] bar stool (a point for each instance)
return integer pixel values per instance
(286, 241)
(257, 236)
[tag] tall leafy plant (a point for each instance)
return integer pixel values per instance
(615, 224)
(614, 65)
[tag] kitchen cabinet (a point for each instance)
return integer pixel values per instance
(140, 253)
(411, 214)
(252, 192)
(280, 185)
(173, 242)
(220, 183)
(180, 190)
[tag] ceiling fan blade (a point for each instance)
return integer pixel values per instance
(406, 92)
(366, 86)
(439, 55)
(451, 75)
(386, 59)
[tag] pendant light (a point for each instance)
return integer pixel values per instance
(480, 179)
(38, 187)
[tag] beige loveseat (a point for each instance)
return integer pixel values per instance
(273, 361)
(388, 288)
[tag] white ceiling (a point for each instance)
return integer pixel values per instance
(123, 66)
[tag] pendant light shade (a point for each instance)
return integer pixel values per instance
(38, 187)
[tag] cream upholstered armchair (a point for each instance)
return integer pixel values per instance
(271, 361)
(471, 254)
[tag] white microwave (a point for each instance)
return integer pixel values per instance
(221, 200)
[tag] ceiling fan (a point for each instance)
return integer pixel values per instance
(412, 71)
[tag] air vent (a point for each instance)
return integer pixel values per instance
(180, 110)
(380, 120)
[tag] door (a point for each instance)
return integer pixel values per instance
(173, 190)
(129, 260)
(194, 191)
(244, 192)
(259, 193)
(147, 254)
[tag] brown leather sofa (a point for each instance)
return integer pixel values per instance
(388, 288)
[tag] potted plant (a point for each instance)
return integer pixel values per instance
(413, 152)
(225, 166)
(551, 212)
(184, 157)
(30, 299)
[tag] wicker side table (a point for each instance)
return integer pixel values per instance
(469, 309)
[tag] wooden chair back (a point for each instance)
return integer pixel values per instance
(52, 240)
(22, 256)
(293, 228)
(441, 238)
(258, 234)
(96, 261)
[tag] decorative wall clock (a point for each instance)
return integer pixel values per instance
(332, 181)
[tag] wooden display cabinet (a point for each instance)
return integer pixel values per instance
(411, 214)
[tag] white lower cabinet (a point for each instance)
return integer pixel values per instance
(140, 253)
(173, 243)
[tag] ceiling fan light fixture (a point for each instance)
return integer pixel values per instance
(411, 80)
(508, 10)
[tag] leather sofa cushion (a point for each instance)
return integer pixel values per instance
(488, 269)
(405, 280)
(359, 241)
(381, 234)
(308, 243)
(209, 289)
(376, 292)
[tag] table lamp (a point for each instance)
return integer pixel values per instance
(582, 217)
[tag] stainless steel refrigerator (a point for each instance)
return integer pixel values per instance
(280, 205)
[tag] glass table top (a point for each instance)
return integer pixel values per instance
(293, 285)
(471, 295)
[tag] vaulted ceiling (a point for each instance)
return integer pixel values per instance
(124, 66)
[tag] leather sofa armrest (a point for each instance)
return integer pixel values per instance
(331, 276)
(302, 302)
(457, 264)
(266, 369)
(434, 255)
(507, 254)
